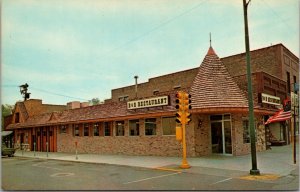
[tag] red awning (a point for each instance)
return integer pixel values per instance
(279, 116)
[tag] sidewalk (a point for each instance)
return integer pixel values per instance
(278, 160)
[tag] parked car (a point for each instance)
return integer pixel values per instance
(7, 151)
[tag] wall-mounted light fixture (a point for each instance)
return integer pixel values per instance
(199, 124)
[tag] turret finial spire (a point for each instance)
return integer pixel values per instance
(210, 39)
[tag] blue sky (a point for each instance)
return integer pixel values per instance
(81, 49)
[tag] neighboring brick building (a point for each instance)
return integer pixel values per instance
(219, 115)
(276, 61)
(26, 111)
(274, 71)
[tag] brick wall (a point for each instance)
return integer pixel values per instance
(262, 83)
(203, 141)
(266, 59)
(198, 140)
(269, 59)
(290, 63)
(50, 108)
(162, 84)
(202, 135)
(160, 144)
(33, 107)
(241, 148)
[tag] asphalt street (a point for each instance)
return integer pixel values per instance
(41, 174)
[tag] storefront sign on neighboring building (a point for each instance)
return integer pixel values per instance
(270, 99)
(295, 103)
(151, 102)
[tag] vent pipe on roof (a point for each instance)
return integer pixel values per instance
(136, 77)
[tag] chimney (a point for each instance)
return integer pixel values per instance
(136, 77)
(73, 105)
(84, 104)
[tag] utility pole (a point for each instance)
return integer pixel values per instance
(254, 170)
(296, 105)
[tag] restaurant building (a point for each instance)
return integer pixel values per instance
(140, 119)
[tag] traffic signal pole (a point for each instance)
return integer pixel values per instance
(184, 164)
(183, 117)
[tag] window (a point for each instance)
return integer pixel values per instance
(17, 118)
(86, 131)
(96, 129)
(123, 98)
(63, 129)
(107, 129)
(177, 87)
(295, 81)
(155, 92)
(169, 125)
(216, 117)
(288, 82)
(150, 126)
(246, 131)
(120, 128)
(286, 60)
(76, 129)
(134, 127)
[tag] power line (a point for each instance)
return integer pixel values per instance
(277, 15)
(155, 28)
(58, 94)
(49, 92)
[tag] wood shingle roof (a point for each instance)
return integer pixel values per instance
(102, 112)
(213, 87)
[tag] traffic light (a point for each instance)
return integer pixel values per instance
(183, 106)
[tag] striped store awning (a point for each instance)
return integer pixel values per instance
(281, 115)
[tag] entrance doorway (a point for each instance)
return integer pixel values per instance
(221, 134)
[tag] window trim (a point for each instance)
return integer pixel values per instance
(110, 129)
(150, 123)
(88, 129)
(63, 127)
(97, 129)
(74, 130)
(123, 98)
(255, 130)
(116, 127)
(176, 124)
(139, 128)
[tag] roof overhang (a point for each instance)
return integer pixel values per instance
(219, 110)
(6, 133)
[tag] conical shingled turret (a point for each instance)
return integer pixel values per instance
(211, 51)
(213, 87)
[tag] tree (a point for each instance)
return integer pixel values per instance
(6, 110)
(94, 101)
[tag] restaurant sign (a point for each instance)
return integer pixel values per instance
(151, 102)
(270, 99)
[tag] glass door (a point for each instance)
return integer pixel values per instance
(227, 137)
(216, 137)
(221, 134)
